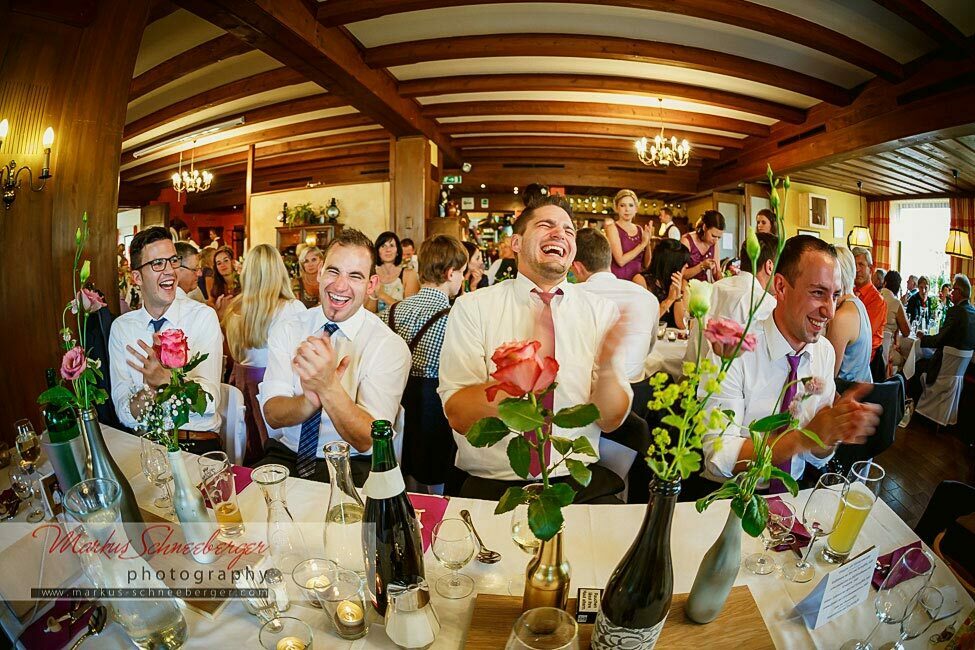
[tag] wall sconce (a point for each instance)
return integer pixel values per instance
(859, 236)
(10, 175)
(958, 244)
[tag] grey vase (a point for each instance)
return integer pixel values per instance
(717, 573)
(67, 459)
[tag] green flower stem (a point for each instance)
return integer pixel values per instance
(539, 445)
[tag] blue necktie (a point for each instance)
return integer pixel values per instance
(157, 324)
(308, 442)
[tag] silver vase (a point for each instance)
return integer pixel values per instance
(717, 573)
(194, 518)
(67, 458)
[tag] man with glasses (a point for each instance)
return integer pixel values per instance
(189, 272)
(135, 370)
(332, 369)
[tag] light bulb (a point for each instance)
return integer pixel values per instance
(4, 128)
(48, 139)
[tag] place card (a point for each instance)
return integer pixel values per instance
(840, 591)
(587, 604)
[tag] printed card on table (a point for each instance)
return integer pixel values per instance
(841, 590)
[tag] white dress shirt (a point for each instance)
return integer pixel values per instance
(257, 357)
(668, 230)
(731, 298)
(377, 373)
(751, 389)
(482, 321)
(642, 311)
(199, 323)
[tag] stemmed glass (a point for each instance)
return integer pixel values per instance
(155, 467)
(29, 448)
(921, 613)
(897, 592)
(819, 518)
(453, 546)
(22, 482)
(778, 530)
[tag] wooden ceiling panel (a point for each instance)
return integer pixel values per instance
(583, 142)
(217, 49)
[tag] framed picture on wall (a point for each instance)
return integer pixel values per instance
(467, 203)
(811, 233)
(818, 207)
(839, 228)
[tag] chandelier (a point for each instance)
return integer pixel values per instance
(663, 152)
(192, 180)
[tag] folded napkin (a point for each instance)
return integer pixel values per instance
(886, 563)
(9, 502)
(35, 636)
(242, 478)
(430, 510)
(802, 536)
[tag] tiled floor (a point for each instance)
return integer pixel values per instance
(920, 458)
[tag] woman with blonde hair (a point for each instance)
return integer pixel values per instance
(310, 261)
(849, 330)
(628, 242)
(264, 301)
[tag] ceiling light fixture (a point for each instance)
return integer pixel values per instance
(466, 167)
(192, 136)
(193, 180)
(958, 244)
(660, 152)
(860, 235)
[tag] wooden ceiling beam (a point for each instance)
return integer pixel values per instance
(435, 86)
(856, 169)
(581, 174)
(843, 183)
(936, 164)
(923, 17)
(159, 9)
(246, 87)
(595, 109)
(553, 153)
(589, 128)
(740, 13)
(589, 143)
(193, 59)
(288, 31)
(920, 166)
(606, 47)
(936, 184)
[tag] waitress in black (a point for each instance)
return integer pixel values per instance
(421, 320)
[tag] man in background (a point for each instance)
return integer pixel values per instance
(868, 293)
(189, 272)
(957, 332)
(410, 260)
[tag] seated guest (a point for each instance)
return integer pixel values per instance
(911, 289)
(957, 332)
(766, 222)
(869, 295)
(420, 320)
(702, 243)
(789, 347)
(309, 264)
(665, 280)
(395, 282)
(475, 277)
(333, 369)
(896, 318)
(538, 304)
(265, 300)
(226, 284)
(849, 331)
(878, 279)
(189, 272)
(733, 297)
(409, 255)
(921, 305)
(135, 370)
(505, 267)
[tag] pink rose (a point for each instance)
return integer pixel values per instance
(90, 301)
(172, 349)
(724, 334)
(73, 363)
(521, 370)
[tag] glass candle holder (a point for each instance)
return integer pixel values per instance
(344, 603)
(285, 633)
(312, 576)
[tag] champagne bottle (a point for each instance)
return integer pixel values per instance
(637, 597)
(61, 424)
(390, 532)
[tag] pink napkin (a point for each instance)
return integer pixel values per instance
(242, 478)
(430, 508)
(918, 563)
(35, 636)
(798, 530)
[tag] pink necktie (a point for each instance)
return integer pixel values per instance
(546, 336)
(778, 487)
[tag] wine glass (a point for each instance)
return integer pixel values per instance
(22, 482)
(453, 546)
(897, 591)
(155, 467)
(28, 445)
(921, 613)
(778, 530)
(819, 518)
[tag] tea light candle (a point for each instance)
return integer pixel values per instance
(671, 335)
(350, 619)
(290, 643)
(317, 582)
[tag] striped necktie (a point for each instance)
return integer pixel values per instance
(310, 428)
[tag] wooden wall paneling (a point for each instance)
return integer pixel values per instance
(248, 189)
(409, 170)
(88, 87)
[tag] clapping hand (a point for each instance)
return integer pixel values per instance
(318, 367)
(849, 420)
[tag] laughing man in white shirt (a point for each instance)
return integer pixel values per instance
(806, 285)
(332, 385)
(135, 370)
(589, 368)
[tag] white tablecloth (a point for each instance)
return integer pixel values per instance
(596, 538)
(667, 356)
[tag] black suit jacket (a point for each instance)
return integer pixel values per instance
(957, 332)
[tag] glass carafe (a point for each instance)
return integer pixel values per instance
(286, 546)
(151, 624)
(343, 517)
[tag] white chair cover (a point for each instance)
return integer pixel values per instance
(617, 458)
(885, 348)
(939, 402)
(233, 429)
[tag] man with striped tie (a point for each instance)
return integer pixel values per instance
(333, 369)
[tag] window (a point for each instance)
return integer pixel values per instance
(919, 229)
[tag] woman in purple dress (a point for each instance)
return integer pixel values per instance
(702, 242)
(628, 242)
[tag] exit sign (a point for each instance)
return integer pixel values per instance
(453, 180)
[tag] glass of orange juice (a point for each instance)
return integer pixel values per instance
(866, 478)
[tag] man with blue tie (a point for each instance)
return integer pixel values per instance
(135, 370)
(333, 369)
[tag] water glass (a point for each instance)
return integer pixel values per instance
(344, 602)
(285, 633)
(218, 484)
(819, 518)
(865, 479)
(778, 530)
(544, 628)
(453, 546)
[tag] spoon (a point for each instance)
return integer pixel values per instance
(95, 625)
(485, 555)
